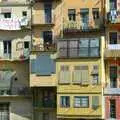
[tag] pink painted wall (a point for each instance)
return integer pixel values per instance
(107, 106)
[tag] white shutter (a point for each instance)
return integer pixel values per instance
(1, 48)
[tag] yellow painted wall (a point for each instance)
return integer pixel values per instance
(73, 112)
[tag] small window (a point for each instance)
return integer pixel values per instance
(26, 44)
(72, 14)
(95, 12)
(113, 37)
(7, 15)
(24, 13)
(65, 101)
(81, 101)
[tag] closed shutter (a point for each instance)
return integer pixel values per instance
(84, 73)
(43, 64)
(33, 65)
(77, 75)
(1, 49)
(95, 102)
(64, 77)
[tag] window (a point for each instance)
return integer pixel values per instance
(81, 101)
(48, 12)
(24, 13)
(72, 14)
(85, 47)
(7, 47)
(7, 15)
(95, 102)
(84, 17)
(26, 44)
(113, 4)
(112, 109)
(65, 101)
(113, 37)
(95, 12)
(45, 116)
(4, 111)
(113, 76)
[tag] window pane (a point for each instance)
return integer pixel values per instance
(83, 42)
(65, 101)
(94, 42)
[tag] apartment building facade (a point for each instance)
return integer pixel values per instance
(46, 25)
(15, 38)
(80, 62)
(112, 61)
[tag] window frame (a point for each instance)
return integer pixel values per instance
(80, 100)
(67, 103)
(72, 14)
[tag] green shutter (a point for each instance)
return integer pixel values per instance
(95, 102)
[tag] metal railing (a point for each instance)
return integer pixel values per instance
(24, 91)
(44, 47)
(45, 104)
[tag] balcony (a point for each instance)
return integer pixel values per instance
(79, 26)
(45, 0)
(39, 20)
(44, 105)
(113, 17)
(14, 24)
(112, 51)
(112, 91)
(44, 47)
(79, 52)
(16, 55)
(15, 91)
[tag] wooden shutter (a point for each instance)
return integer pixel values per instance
(1, 48)
(95, 75)
(77, 75)
(64, 77)
(95, 102)
(84, 73)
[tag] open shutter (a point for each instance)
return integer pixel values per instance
(1, 49)
(95, 75)
(64, 77)
(77, 75)
(95, 102)
(85, 77)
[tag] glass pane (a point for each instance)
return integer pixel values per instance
(83, 52)
(83, 42)
(94, 42)
(94, 52)
(73, 52)
(73, 44)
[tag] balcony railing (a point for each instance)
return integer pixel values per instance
(113, 16)
(75, 26)
(113, 50)
(23, 91)
(79, 52)
(44, 47)
(112, 91)
(48, 104)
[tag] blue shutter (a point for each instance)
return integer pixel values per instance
(33, 66)
(43, 64)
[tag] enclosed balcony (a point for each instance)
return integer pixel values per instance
(83, 47)
(112, 51)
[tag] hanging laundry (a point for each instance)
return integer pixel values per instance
(9, 24)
